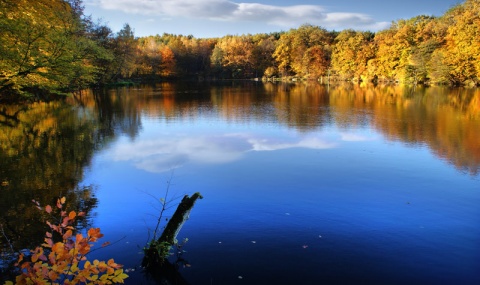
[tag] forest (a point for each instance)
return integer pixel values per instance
(50, 47)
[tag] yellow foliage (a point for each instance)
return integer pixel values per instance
(62, 264)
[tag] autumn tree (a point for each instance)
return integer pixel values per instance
(315, 61)
(461, 53)
(262, 53)
(351, 54)
(391, 54)
(177, 46)
(311, 44)
(236, 55)
(167, 66)
(282, 54)
(148, 57)
(295, 47)
(43, 47)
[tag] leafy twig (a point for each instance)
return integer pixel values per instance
(164, 203)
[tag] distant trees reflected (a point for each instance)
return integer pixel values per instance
(445, 119)
(45, 147)
(44, 150)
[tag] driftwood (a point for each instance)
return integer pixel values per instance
(155, 260)
(178, 219)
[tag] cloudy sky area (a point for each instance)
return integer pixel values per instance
(216, 18)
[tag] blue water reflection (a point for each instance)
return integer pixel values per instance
(336, 204)
(163, 147)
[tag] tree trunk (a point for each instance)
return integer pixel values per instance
(157, 252)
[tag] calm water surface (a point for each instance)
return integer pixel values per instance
(302, 184)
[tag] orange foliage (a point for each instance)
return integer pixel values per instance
(65, 261)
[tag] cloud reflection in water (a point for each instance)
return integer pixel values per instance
(163, 154)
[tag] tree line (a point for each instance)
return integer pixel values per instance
(50, 46)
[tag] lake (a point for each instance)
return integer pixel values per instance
(302, 183)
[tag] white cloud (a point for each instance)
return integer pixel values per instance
(268, 145)
(224, 10)
(350, 137)
(159, 155)
(341, 20)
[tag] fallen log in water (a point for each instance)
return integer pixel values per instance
(155, 259)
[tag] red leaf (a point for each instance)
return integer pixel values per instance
(49, 242)
(48, 209)
(66, 221)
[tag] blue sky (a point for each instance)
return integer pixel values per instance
(216, 18)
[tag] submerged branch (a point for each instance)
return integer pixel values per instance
(158, 250)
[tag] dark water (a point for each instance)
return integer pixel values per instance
(302, 184)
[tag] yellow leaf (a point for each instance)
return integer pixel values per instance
(63, 200)
(118, 272)
(74, 268)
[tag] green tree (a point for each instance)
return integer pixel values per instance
(44, 48)
(216, 60)
(124, 48)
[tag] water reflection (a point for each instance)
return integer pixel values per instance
(47, 147)
(44, 150)
(166, 153)
(444, 119)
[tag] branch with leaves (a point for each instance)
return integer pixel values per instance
(65, 261)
